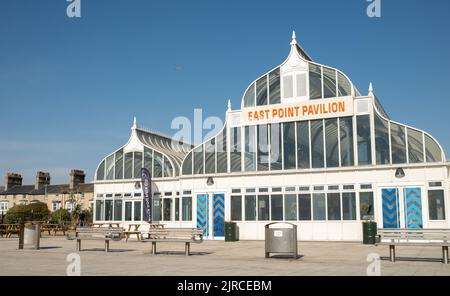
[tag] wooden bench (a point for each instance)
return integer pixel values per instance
(8, 230)
(175, 235)
(415, 237)
(97, 233)
(133, 229)
(53, 228)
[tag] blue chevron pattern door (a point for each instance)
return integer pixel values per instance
(203, 213)
(413, 208)
(219, 215)
(391, 217)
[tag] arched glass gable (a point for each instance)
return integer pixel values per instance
(120, 165)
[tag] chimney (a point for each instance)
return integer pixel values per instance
(76, 178)
(42, 179)
(12, 180)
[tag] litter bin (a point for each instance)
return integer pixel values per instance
(281, 238)
(231, 232)
(369, 233)
(30, 235)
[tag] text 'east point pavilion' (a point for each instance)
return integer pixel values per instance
(306, 147)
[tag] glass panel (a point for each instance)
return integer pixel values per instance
(319, 210)
(101, 171)
(315, 82)
(128, 210)
(177, 209)
(288, 86)
(249, 97)
(222, 157)
(187, 208)
(167, 209)
(366, 205)
(117, 210)
(148, 159)
(364, 142)
(100, 210)
(157, 209)
(274, 87)
(261, 91)
(236, 208)
(119, 165)
(250, 148)
(263, 148)
(289, 145)
(210, 156)
(345, 88)
(110, 167)
(128, 173)
(187, 165)
(137, 210)
(236, 150)
(349, 206)
(432, 149)
(329, 82)
(137, 164)
(301, 85)
(263, 208)
(157, 163)
(304, 207)
(276, 207)
(332, 143)
(290, 207)
(382, 140)
(275, 147)
(303, 145)
(250, 208)
(168, 170)
(398, 143)
(198, 160)
(108, 210)
(415, 146)
(334, 206)
(317, 143)
(436, 204)
(346, 134)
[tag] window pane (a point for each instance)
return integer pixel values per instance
(263, 208)
(289, 145)
(304, 207)
(317, 143)
(349, 205)
(157, 209)
(345, 88)
(187, 165)
(288, 86)
(366, 205)
(415, 146)
(99, 210)
(137, 164)
(148, 159)
(167, 209)
(250, 149)
(236, 150)
(157, 165)
(118, 210)
(276, 206)
(334, 206)
(398, 143)
(364, 142)
(382, 140)
(432, 150)
(315, 82)
(198, 160)
(346, 134)
(119, 165)
(137, 210)
(250, 208)
(290, 207)
(110, 167)
(332, 143)
(274, 87)
(222, 158)
(263, 148)
(261, 91)
(303, 145)
(101, 171)
(275, 147)
(210, 156)
(128, 210)
(177, 209)
(249, 97)
(168, 170)
(108, 210)
(319, 211)
(187, 208)
(236, 208)
(301, 85)
(436, 204)
(128, 174)
(329, 82)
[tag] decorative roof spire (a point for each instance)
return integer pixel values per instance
(370, 90)
(294, 38)
(229, 105)
(134, 123)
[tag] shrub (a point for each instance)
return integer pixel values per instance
(60, 216)
(32, 212)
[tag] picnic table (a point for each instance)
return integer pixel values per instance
(106, 224)
(53, 228)
(9, 229)
(133, 229)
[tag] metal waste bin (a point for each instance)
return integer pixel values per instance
(231, 232)
(369, 233)
(30, 235)
(281, 239)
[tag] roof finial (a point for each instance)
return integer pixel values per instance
(134, 123)
(370, 89)
(294, 38)
(229, 105)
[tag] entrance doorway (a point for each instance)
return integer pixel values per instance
(211, 214)
(402, 207)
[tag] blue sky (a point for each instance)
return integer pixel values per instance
(69, 88)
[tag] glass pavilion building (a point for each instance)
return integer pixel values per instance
(306, 147)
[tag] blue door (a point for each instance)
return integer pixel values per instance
(203, 213)
(219, 215)
(413, 208)
(391, 217)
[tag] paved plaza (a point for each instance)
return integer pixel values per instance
(214, 258)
